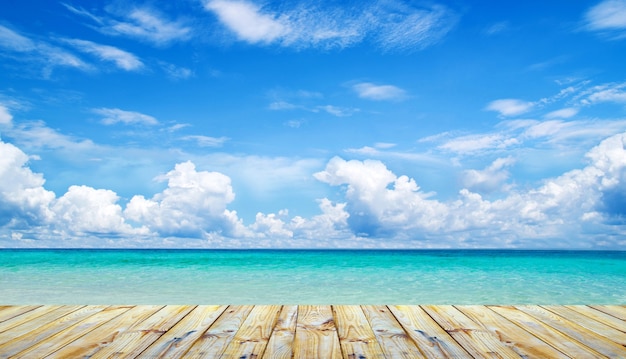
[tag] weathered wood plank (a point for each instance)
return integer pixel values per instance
(35, 332)
(599, 316)
(546, 333)
(316, 333)
(90, 343)
(588, 323)
(518, 339)
(215, 340)
(134, 341)
(25, 322)
(479, 342)
(280, 343)
(251, 339)
(180, 338)
(356, 337)
(68, 335)
(582, 335)
(618, 311)
(13, 311)
(431, 339)
(392, 338)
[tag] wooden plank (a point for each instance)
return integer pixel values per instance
(590, 324)
(215, 340)
(36, 332)
(518, 339)
(68, 335)
(393, 340)
(87, 345)
(20, 325)
(280, 343)
(582, 335)
(546, 333)
(179, 339)
(599, 316)
(431, 339)
(316, 333)
(13, 311)
(618, 311)
(356, 337)
(134, 341)
(251, 339)
(479, 342)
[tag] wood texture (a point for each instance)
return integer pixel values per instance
(313, 331)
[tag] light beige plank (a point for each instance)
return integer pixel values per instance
(68, 335)
(20, 325)
(356, 337)
(133, 342)
(431, 339)
(590, 324)
(280, 345)
(90, 343)
(11, 311)
(316, 333)
(582, 335)
(599, 316)
(392, 338)
(618, 311)
(35, 332)
(180, 338)
(215, 340)
(518, 339)
(251, 339)
(479, 342)
(546, 333)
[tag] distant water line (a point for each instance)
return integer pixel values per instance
(112, 276)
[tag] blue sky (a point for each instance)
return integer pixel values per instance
(388, 124)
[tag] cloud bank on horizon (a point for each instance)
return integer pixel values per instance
(377, 124)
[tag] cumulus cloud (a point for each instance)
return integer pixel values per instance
(122, 59)
(371, 91)
(490, 179)
(609, 16)
(510, 107)
(392, 25)
(193, 204)
(112, 116)
(142, 23)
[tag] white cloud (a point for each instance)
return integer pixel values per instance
(113, 116)
(562, 113)
(473, 143)
(5, 115)
(371, 91)
(338, 111)
(176, 72)
(13, 41)
(392, 25)
(122, 59)
(608, 15)
(207, 141)
(247, 21)
(193, 204)
(510, 107)
(490, 179)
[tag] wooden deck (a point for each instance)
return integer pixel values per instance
(312, 331)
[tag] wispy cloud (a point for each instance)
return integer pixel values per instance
(206, 141)
(370, 91)
(142, 23)
(122, 59)
(338, 111)
(608, 17)
(391, 25)
(112, 116)
(510, 107)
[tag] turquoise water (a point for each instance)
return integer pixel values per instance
(311, 277)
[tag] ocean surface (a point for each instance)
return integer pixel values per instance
(69, 276)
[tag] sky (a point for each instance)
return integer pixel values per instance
(313, 124)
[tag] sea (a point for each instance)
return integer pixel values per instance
(162, 276)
